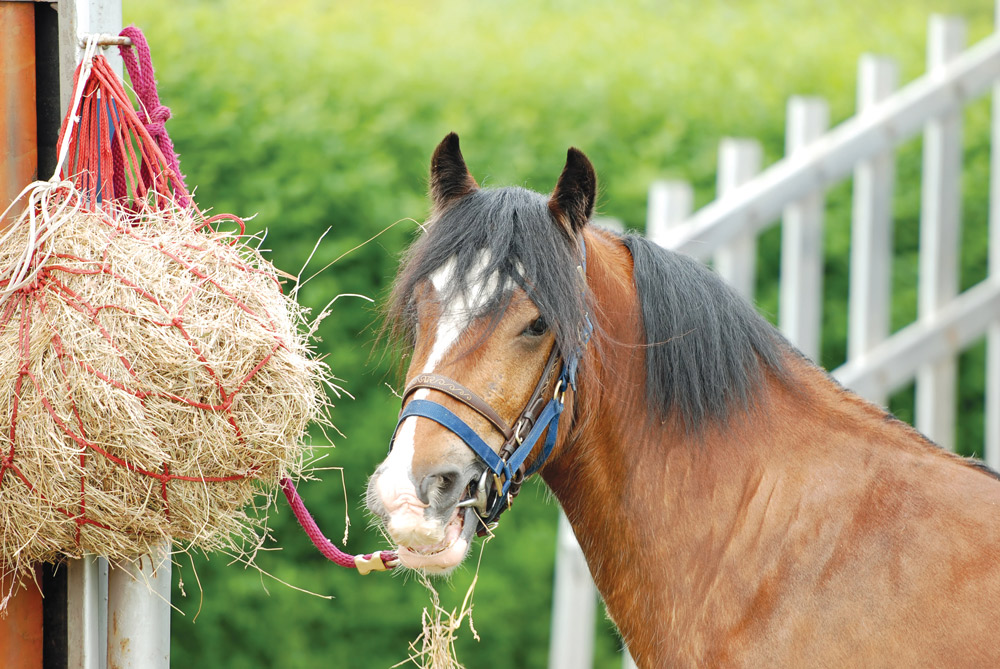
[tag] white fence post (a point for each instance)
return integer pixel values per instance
(801, 287)
(991, 447)
(670, 202)
(940, 225)
(736, 262)
(870, 301)
(574, 604)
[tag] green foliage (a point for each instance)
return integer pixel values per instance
(316, 115)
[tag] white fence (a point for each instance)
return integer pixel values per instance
(793, 189)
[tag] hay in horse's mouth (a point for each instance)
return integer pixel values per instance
(452, 533)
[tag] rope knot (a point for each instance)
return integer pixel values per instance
(156, 125)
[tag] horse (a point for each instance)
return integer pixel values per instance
(735, 505)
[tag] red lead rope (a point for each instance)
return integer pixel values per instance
(380, 561)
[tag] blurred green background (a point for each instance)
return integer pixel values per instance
(318, 114)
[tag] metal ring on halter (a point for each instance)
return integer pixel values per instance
(559, 394)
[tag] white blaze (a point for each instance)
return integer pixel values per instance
(395, 484)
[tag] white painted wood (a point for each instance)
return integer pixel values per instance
(869, 301)
(893, 363)
(609, 223)
(991, 447)
(940, 225)
(736, 260)
(574, 607)
(670, 202)
(138, 632)
(86, 596)
(801, 284)
(753, 207)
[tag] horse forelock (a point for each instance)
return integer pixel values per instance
(496, 239)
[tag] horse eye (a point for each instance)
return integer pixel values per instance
(536, 328)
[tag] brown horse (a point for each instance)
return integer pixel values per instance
(736, 506)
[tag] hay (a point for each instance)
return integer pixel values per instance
(434, 648)
(153, 379)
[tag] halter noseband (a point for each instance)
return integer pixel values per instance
(540, 415)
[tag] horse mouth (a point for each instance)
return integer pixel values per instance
(444, 555)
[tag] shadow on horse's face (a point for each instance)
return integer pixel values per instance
(486, 376)
(417, 489)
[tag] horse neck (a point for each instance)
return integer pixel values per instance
(657, 511)
(669, 519)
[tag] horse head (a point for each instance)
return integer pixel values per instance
(493, 303)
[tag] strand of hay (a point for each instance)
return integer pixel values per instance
(434, 648)
(154, 377)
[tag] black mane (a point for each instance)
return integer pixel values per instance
(708, 347)
(525, 246)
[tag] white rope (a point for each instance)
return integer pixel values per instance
(49, 203)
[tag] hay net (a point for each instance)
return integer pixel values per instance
(154, 376)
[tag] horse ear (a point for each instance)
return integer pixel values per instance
(572, 201)
(450, 178)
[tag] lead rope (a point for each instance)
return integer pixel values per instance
(381, 561)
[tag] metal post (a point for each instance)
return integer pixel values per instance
(801, 287)
(991, 449)
(87, 579)
(78, 18)
(869, 302)
(86, 591)
(21, 622)
(940, 226)
(736, 262)
(574, 604)
(139, 612)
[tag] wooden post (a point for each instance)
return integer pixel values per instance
(870, 301)
(669, 204)
(21, 625)
(940, 226)
(736, 262)
(801, 288)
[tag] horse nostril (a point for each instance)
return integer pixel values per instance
(442, 483)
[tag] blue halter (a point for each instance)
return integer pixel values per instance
(507, 467)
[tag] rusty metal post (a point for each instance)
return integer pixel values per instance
(18, 134)
(21, 628)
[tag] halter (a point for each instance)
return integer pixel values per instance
(540, 416)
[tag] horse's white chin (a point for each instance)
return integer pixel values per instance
(441, 557)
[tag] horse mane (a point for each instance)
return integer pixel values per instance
(708, 349)
(513, 230)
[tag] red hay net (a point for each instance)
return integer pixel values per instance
(123, 179)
